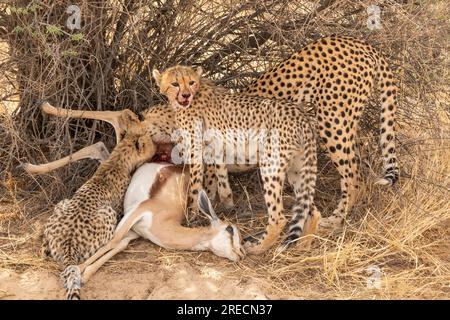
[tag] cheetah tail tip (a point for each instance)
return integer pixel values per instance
(384, 182)
(73, 294)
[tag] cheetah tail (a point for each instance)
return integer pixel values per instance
(71, 277)
(388, 90)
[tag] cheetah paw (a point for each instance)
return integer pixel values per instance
(252, 244)
(331, 224)
(228, 201)
(254, 248)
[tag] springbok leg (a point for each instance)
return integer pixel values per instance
(97, 151)
(91, 269)
(122, 235)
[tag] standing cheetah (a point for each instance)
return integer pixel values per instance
(337, 74)
(81, 225)
(288, 146)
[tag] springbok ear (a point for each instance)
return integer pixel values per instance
(199, 71)
(157, 76)
(205, 206)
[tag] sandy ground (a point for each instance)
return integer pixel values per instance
(141, 272)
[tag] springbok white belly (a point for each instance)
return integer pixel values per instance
(140, 185)
(137, 192)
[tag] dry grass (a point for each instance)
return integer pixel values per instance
(404, 231)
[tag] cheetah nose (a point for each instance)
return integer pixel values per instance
(186, 95)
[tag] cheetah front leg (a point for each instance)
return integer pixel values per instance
(195, 185)
(302, 176)
(196, 171)
(210, 181)
(225, 193)
(216, 180)
(273, 179)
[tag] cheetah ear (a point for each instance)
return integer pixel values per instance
(141, 144)
(199, 71)
(157, 76)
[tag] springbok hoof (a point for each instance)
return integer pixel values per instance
(21, 167)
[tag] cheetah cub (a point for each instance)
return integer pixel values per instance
(278, 129)
(81, 225)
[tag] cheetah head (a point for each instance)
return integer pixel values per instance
(138, 146)
(179, 84)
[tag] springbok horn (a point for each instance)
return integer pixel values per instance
(97, 151)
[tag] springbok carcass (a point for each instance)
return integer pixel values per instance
(154, 209)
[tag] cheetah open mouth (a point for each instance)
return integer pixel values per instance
(163, 153)
(184, 103)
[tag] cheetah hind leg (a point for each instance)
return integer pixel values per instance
(346, 163)
(119, 246)
(45, 247)
(302, 175)
(45, 250)
(310, 228)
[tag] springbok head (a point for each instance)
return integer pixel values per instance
(226, 241)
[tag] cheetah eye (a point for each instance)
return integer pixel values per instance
(175, 84)
(191, 83)
(230, 230)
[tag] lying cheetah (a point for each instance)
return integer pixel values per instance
(81, 225)
(288, 144)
